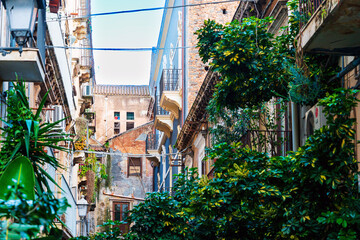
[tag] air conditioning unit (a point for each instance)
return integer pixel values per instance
(87, 91)
(58, 114)
(314, 120)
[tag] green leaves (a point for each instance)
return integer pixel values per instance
(26, 200)
(25, 136)
(308, 194)
(246, 56)
(20, 170)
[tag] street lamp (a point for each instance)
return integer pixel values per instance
(82, 211)
(22, 16)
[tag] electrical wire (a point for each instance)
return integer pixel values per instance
(145, 49)
(139, 10)
(127, 154)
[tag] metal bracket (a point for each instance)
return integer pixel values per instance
(7, 50)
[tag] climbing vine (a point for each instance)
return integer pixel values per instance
(95, 172)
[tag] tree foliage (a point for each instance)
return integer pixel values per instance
(244, 55)
(256, 66)
(309, 194)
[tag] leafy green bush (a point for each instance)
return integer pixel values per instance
(309, 194)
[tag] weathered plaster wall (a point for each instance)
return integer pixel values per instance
(131, 142)
(105, 109)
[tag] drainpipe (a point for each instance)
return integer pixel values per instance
(294, 108)
(106, 99)
(295, 125)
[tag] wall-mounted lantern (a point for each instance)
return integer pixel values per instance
(22, 16)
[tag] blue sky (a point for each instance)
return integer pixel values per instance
(131, 30)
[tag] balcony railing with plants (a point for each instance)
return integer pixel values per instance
(308, 8)
(274, 142)
(152, 141)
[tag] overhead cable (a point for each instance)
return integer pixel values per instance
(117, 49)
(127, 154)
(139, 10)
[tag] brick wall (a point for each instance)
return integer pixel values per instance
(196, 17)
(126, 142)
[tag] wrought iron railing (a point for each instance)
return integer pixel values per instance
(86, 61)
(152, 141)
(84, 9)
(274, 142)
(159, 110)
(308, 8)
(86, 54)
(170, 80)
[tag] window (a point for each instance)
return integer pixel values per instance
(116, 116)
(130, 116)
(116, 127)
(129, 125)
(134, 167)
(119, 214)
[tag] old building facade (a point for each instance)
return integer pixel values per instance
(119, 122)
(119, 108)
(46, 65)
(131, 175)
(176, 76)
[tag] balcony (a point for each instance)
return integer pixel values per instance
(333, 27)
(163, 121)
(92, 126)
(152, 147)
(82, 12)
(27, 66)
(152, 142)
(275, 143)
(171, 97)
(90, 116)
(85, 61)
(84, 105)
